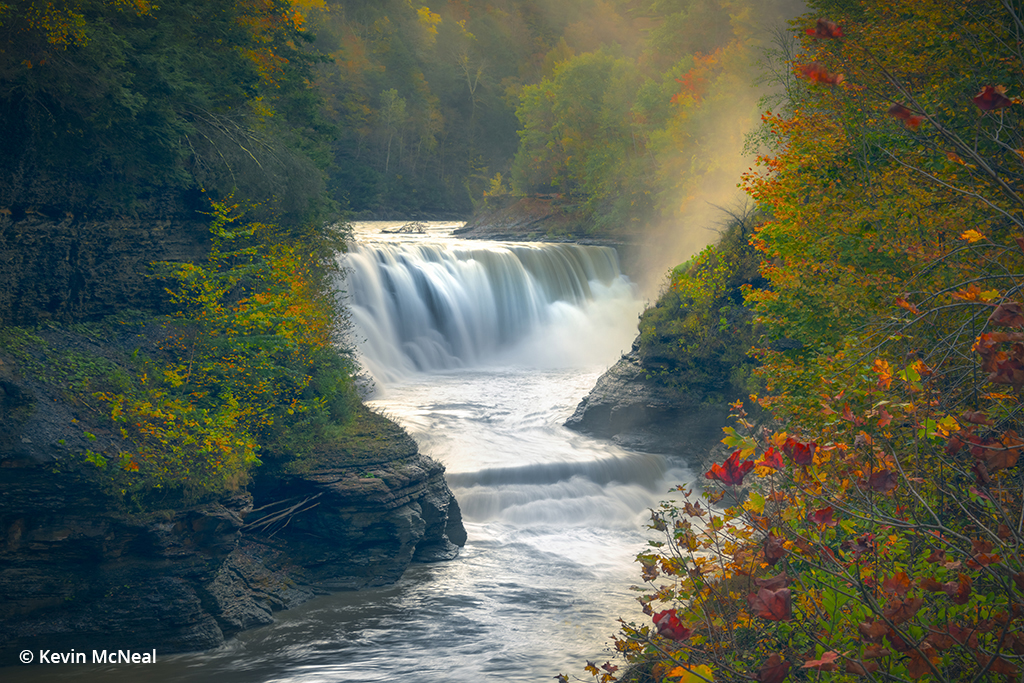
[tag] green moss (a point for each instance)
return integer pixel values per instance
(697, 335)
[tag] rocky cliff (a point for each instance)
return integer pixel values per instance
(629, 407)
(55, 265)
(82, 568)
(671, 393)
(76, 570)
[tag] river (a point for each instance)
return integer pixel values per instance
(480, 350)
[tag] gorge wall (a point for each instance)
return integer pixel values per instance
(58, 266)
(77, 570)
(635, 410)
(78, 567)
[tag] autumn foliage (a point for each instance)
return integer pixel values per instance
(870, 526)
(248, 371)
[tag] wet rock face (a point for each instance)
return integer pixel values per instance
(77, 572)
(66, 268)
(637, 412)
(74, 572)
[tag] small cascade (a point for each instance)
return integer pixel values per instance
(426, 306)
(601, 493)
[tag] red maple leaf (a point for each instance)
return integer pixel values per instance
(876, 649)
(669, 625)
(964, 636)
(823, 516)
(992, 97)
(823, 28)
(774, 670)
(771, 458)
(918, 665)
(1000, 666)
(732, 471)
(958, 591)
(872, 631)
(773, 582)
(884, 418)
(848, 415)
(999, 453)
(939, 640)
(881, 481)
(983, 555)
(976, 417)
(899, 611)
(816, 73)
(774, 605)
(802, 453)
(898, 584)
(859, 668)
(1009, 314)
(912, 121)
(860, 545)
(773, 549)
(1009, 371)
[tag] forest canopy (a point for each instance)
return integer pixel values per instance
(629, 109)
(105, 104)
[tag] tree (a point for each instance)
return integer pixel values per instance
(392, 116)
(879, 533)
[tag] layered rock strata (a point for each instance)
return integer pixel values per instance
(77, 573)
(631, 408)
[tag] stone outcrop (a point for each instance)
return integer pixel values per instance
(56, 266)
(78, 572)
(629, 407)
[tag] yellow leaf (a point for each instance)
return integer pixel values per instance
(972, 236)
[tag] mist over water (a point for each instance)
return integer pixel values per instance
(481, 351)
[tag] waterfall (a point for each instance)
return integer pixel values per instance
(481, 350)
(421, 306)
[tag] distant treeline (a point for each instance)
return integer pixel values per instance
(625, 107)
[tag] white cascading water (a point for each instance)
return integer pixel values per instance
(428, 306)
(481, 351)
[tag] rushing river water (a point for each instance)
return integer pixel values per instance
(481, 350)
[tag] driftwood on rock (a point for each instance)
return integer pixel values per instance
(413, 228)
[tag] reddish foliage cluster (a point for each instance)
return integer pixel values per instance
(912, 120)
(816, 73)
(801, 453)
(823, 28)
(669, 625)
(888, 547)
(992, 97)
(732, 471)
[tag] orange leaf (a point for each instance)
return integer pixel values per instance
(826, 663)
(903, 303)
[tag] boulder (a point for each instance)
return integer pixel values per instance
(633, 409)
